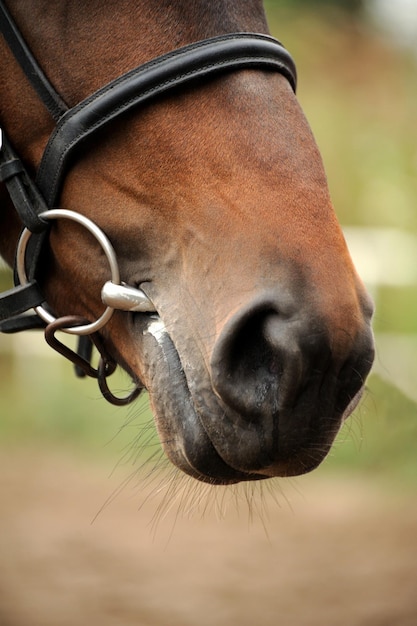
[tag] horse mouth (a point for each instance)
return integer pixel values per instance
(185, 413)
(181, 431)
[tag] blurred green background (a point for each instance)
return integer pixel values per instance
(358, 88)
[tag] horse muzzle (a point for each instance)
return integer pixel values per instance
(271, 400)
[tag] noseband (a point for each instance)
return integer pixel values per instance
(35, 200)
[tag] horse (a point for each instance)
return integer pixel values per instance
(236, 305)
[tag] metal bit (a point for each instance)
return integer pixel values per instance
(125, 298)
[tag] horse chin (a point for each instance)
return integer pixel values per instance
(181, 421)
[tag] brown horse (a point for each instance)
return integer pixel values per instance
(215, 200)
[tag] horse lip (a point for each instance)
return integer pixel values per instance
(181, 431)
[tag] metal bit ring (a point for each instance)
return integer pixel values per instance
(108, 250)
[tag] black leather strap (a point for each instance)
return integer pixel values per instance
(9, 169)
(52, 100)
(28, 203)
(23, 192)
(21, 322)
(19, 299)
(182, 66)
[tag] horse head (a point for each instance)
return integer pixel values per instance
(215, 199)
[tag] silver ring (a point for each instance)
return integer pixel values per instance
(108, 249)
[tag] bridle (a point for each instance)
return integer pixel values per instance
(35, 200)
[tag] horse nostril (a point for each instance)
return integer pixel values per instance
(267, 362)
(254, 354)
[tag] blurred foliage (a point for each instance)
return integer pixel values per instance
(396, 310)
(350, 6)
(5, 280)
(42, 403)
(359, 93)
(380, 438)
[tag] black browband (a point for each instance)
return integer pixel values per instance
(148, 81)
(183, 66)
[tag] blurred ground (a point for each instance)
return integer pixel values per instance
(340, 552)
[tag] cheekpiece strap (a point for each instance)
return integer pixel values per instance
(23, 192)
(34, 73)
